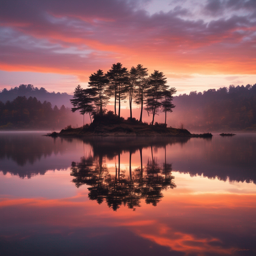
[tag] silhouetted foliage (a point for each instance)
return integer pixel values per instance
(118, 84)
(141, 87)
(83, 100)
(133, 77)
(167, 104)
(98, 85)
(155, 92)
(120, 189)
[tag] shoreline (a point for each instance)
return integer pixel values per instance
(166, 132)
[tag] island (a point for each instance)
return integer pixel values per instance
(112, 125)
(149, 92)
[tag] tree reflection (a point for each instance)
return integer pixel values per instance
(117, 188)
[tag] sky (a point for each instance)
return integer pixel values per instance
(197, 44)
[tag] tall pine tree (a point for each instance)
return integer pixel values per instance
(98, 85)
(82, 101)
(167, 104)
(141, 87)
(157, 86)
(118, 84)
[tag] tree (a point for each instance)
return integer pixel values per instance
(98, 85)
(132, 86)
(118, 84)
(157, 87)
(82, 101)
(141, 86)
(167, 101)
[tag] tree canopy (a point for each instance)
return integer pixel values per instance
(118, 83)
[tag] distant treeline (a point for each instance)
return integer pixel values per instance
(41, 94)
(232, 108)
(225, 109)
(23, 113)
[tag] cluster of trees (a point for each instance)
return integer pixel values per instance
(23, 113)
(225, 109)
(119, 83)
(145, 182)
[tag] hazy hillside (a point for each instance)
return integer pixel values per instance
(30, 114)
(41, 94)
(225, 109)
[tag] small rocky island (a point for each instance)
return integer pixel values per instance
(150, 92)
(112, 125)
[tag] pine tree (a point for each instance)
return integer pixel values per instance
(132, 86)
(118, 84)
(141, 87)
(82, 101)
(98, 85)
(157, 86)
(167, 101)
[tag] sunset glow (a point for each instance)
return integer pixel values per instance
(208, 46)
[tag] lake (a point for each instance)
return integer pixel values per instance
(127, 196)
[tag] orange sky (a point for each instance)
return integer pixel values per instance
(197, 44)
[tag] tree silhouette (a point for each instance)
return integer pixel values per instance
(118, 84)
(157, 87)
(167, 104)
(141, 87)
(132, 86)
(98, 85)
(120, 189)
(83, 100)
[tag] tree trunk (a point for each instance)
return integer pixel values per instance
(130, 165)
(100, 163)
(141, 109)
(165, 117)
(116, 170)
(165, 160)
(131, 108)
(153, 118)
(83, 120)
(119, 110)
(115, 102)
(118, 166)
(141, 165)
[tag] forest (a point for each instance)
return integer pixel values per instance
(31, 114)
(225, 109)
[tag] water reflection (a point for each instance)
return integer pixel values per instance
(120, 189)
(49, 215)
(27, 155)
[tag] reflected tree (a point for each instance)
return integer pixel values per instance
(120, 189)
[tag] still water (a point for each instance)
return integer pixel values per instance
(147, 196)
